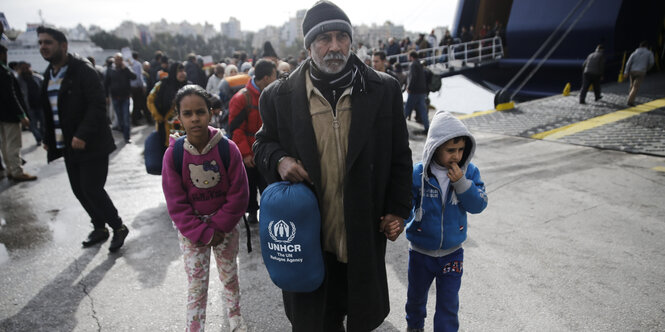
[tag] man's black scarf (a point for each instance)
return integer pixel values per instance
(333, 85)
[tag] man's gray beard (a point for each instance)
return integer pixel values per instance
(321, 62)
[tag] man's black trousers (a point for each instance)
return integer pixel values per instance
(87, 179)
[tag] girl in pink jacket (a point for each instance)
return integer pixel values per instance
(205, 200)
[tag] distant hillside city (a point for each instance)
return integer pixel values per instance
(179, 39)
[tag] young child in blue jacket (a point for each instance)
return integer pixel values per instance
(446, 185)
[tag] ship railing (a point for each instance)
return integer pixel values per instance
(446, 57)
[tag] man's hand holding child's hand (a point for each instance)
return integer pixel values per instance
(392, 226)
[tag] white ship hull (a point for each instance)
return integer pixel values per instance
(32, 55)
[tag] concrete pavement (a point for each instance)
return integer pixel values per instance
(571, 240)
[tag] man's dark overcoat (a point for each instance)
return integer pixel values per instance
(378, 174)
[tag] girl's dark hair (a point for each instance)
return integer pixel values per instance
(191, 89)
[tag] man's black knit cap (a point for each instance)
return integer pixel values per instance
(324, 16)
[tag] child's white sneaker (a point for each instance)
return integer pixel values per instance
(237, 324)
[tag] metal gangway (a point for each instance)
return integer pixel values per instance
(457, 56)
(503, 98)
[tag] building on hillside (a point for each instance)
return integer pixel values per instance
(127, 30)
(231, 29)
(370, 35)
(270, 33)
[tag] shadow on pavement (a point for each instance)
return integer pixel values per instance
(54, 307)
(156, 246)
(19, 226)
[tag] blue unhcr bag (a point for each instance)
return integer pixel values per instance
(290, 230)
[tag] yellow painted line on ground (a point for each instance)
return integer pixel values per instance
(475, 114)
(659, 168)
(499, 108)
(599, 120)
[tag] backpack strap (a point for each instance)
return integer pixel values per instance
(178, 150)
(249, 234)
(249, 105)
(242, 115)
(223, 148)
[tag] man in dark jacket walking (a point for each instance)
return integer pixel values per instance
(194, 72)
(118, 84)
(31, 88)
(594, 67)
(12, 116)
(138, 86)
(76, 128)
(337, 124)
(416, 86)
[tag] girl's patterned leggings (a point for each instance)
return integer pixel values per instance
(197, 267)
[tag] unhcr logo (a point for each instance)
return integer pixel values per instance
(281, 232)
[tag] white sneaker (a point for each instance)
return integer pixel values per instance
(237, 324)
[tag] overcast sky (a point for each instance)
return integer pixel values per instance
(414, 15)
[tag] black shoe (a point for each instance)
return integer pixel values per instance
(410, 329)
(96, 236)
(420, 132)
(118, 239)
(582, 102)
(599, 98)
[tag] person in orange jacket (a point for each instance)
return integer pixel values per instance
(245, 121)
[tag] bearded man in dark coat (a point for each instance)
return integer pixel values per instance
(338, 125)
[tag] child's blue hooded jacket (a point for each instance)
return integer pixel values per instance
(432, 228)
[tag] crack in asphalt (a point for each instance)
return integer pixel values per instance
(497, 188)
(571, 214)
(92, 300)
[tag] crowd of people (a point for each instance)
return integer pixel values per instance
(19, 96)
(393, 47)
(131, 78)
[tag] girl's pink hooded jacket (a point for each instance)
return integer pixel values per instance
(206, 197)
